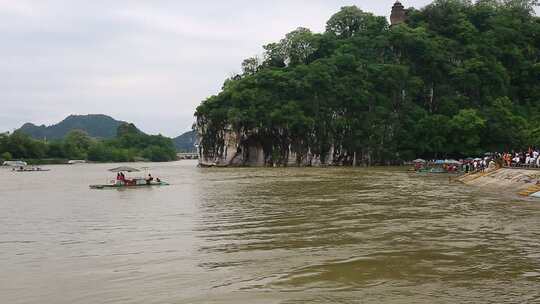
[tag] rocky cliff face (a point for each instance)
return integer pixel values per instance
(245, 150)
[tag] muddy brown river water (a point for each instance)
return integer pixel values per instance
(246, 235)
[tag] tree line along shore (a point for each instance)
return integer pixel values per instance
(456, 78)
(129, 145)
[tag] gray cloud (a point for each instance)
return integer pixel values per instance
(149, 62)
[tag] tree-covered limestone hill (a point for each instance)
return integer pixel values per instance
(457, 78)
(95, 125)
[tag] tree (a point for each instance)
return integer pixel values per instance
(274, 55)
(351, 20)
(21, 145)
(298, 46)
(159, 154)
(251, 65)
(99, 152)
(505, 129)
(466, 130)
(76, 144)
(525, 7)
(56, 150)
(6, 156)
(79, 139)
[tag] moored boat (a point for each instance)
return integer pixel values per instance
(14, 163)
(448, 166)
(76, 161)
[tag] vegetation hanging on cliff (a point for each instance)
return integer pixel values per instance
(456, 79)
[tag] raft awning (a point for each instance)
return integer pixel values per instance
(124, 169)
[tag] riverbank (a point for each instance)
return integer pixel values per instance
(48, 161)
(522, 182)
(60, 161)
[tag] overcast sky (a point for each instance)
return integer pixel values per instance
(148, 62)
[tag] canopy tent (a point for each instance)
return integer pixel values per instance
(419, 161)
(124, 169)
(452, 162)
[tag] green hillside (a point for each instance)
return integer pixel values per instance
(95, 125)
(129, 144)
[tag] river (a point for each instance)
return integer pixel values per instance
(291, 235)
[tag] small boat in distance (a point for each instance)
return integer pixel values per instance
(76, 161)
(15, 163)
(30, 169)
(122, 181)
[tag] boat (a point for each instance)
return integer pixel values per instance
(137, 183)
(124, 182)
(15, 163)
(449, 166)
(434, 170)
(76, 161)
(30, 169)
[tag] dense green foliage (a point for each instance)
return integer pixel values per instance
(96, 125)
(129, 145)
(458, 78)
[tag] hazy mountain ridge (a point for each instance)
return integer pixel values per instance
(186, 142)
(96, 125)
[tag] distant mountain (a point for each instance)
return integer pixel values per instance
(186, 142)
(96, 125)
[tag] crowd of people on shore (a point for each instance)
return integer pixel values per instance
(528, 159)
(479, 164)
